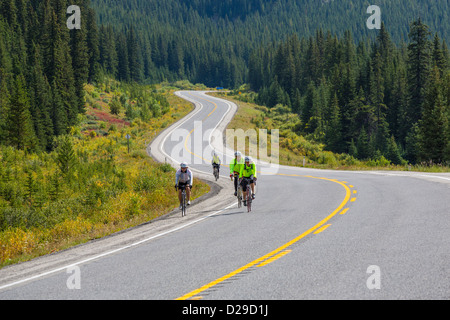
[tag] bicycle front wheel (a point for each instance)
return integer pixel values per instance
(239, 197)
(183, 204)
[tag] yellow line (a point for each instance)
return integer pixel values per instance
(322, 229)
(353, 200)
(355, 192)
(344, 211)
(190, 133)
(278, 256)
(278, 250)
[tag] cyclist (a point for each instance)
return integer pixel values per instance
(215, 162)
(235, 169)
(184, 177)
(248, 170)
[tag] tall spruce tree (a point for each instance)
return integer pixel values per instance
(333, 136)
(40, 97)
(419, 58)
(80, 58)
(433, 137)
(19, 126)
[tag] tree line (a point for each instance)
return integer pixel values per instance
(369, 98)
(209, 41)
(366, 97)
(43, 69)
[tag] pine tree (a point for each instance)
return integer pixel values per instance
(393, 152)
(108, 51)
(134, 56)
(446, 54)
(123, 71)
(66, 158)
(437, 56)
(19, 127)
(58, 113)
(92, 41)
(176, 59)
(333, 135)
(412, 146)
(362, 145)
(40, 94)
(419, 56)
(4, 101)
(433, 125)
(80, 61)
(8, 9)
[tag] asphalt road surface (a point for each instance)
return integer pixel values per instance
(312, 234)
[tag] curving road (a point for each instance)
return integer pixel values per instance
(313, 234)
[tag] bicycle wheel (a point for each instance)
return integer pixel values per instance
(249, 199)
(216, 173)
(239, 196)
(183, 203)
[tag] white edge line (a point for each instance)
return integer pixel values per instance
(147, 239)
(114, 251)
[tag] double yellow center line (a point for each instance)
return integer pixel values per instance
(283, 250)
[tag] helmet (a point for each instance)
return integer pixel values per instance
(237, 154)
(248, 159)
(183, 165)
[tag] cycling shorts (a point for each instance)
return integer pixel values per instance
(184, 185)
(245, 182)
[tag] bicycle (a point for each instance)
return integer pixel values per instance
(183, 199)
(249, 194)
(239, 195)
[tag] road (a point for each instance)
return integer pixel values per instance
(312, 234)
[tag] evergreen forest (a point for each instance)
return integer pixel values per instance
(358, 91)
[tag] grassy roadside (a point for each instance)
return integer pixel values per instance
(295, 148)
(90, 186)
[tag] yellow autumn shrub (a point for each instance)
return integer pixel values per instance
(16, 241)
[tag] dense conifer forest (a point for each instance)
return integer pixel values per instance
(360, 91)
(369, 98)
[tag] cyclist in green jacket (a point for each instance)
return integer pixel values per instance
(235, 169)
(248, 170)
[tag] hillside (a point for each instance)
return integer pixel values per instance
(210, 41)
(90, 186)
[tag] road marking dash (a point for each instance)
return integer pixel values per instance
(272, 259)
(322, 229)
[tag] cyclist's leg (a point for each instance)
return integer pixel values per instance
(253, 189)
(179, 194)
(188, 191)
(244, 190)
